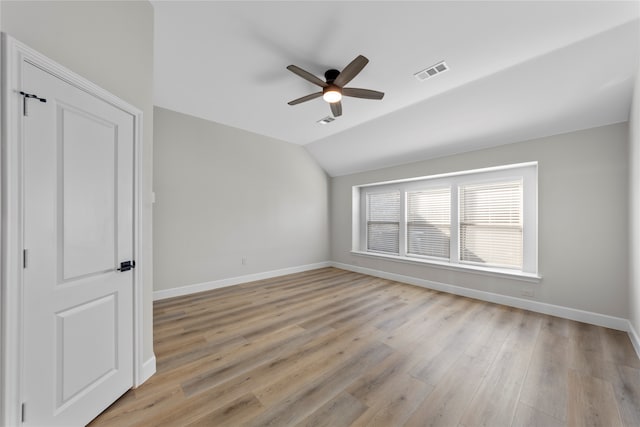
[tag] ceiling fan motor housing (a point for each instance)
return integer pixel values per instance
(331, 75)
(331, 88)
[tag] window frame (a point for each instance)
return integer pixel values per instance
(528, 172)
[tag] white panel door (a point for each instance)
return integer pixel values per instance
(78, 228)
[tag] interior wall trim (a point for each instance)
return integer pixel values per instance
(231, 281)
(148, 369)
(633, 336)
(592, 318)
(569, 313)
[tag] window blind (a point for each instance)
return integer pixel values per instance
(429, 222)
(383, 222)
(491, 223)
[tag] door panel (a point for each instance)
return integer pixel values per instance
(88, 193)
(75, 346)
(78, 227)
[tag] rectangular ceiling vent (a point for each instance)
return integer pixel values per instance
(326, 120)
(434, 70)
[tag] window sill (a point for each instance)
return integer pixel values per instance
(486, 271)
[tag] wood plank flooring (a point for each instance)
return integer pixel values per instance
(335, 348)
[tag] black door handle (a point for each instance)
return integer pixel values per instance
(127, 265)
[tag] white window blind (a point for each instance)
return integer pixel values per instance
(491, 223)
(429, 222)
(483, 220)
(383, 222)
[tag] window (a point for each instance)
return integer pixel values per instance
(429, 222)
(491, 223)
(475, 220)
(383, 222)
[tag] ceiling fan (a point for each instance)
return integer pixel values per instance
(333, 88)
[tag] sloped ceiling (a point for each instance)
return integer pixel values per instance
(518, 70)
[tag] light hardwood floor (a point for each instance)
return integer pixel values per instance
(335, 348)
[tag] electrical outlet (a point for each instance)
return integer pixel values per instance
(527, 292)
(244, 260)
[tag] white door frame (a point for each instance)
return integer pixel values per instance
(13, 54)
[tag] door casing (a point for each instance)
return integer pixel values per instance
(12, 55)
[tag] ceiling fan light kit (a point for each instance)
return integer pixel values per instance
(333, 87)
(332, 94)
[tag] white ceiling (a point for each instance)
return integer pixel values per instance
(519, 70)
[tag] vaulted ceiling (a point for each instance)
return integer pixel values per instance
(518, 70)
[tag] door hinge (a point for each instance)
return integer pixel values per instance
(24, 258)
(26, 96)
(23, 412)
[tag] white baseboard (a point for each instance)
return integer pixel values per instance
(222, 283)
(148, 369)
(618, 323)
(633, 336)
(539, 307)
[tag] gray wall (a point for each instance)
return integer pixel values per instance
(583, 214)
(223, 194)
(111, 44)
(634, 211)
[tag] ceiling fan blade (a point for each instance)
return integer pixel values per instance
(307, 76)
(305, 98)
(362, 93)
(351, 70)
(336, 108)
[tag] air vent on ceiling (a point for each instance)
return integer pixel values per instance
(326, 120)
(434, 70)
